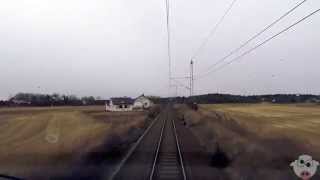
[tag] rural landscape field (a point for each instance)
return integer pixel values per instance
(295, 121)
(159, 90)
(72, 142)
(51, 142)
(258, 141)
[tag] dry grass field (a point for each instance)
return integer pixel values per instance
(258, 140)
(51, 140)
(294, 121)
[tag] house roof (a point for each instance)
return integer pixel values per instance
(122, 100)
(142, 95)
(146, 97)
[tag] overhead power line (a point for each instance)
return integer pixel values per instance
(181, 84)
(182, 77)
(261, 44)
(213, 31)
(256, 35)
(168, 41)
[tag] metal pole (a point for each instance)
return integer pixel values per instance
(191, 79)
(190, 83)
(177, 91)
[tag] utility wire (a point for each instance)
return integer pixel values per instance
(259, 45)
(213, 31)
(168, 40)
(256, 35)
(182, 77)
(181, 84)
(168, 35)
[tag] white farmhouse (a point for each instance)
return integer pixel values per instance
(128, 104)
(120, 104)
(142, 102)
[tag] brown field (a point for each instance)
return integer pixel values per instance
(259, 140)
(295, 121)
(52, 140)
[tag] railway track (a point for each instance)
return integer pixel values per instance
(168, 161)
(166, 157)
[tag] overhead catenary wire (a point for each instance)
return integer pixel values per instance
(213, 31)
(178, 83)
(259, 45)
(181, 77)
(181, 84)
(168, 43)
(256, 35)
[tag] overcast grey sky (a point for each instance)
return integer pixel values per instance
(118, 47)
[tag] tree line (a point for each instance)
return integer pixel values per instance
(33, 99)
(229, 98)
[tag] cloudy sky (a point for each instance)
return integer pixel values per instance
(118, 47)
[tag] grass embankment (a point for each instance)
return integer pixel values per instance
(49, 141)
(260, 140)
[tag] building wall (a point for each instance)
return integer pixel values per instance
(138, 104)
(116, 108)
(142, 102)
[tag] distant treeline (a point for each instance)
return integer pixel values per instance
(31, 99)
(228, 98)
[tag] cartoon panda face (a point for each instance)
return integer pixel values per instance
(305, 167)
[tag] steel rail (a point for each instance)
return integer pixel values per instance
(158, 149)
(134, 147)
(181, 163)
(179, 151)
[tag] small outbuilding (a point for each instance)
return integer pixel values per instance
(128, 104)
(120, 104)
(142, 102)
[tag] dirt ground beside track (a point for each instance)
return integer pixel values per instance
(242, 148)
(44, 143)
